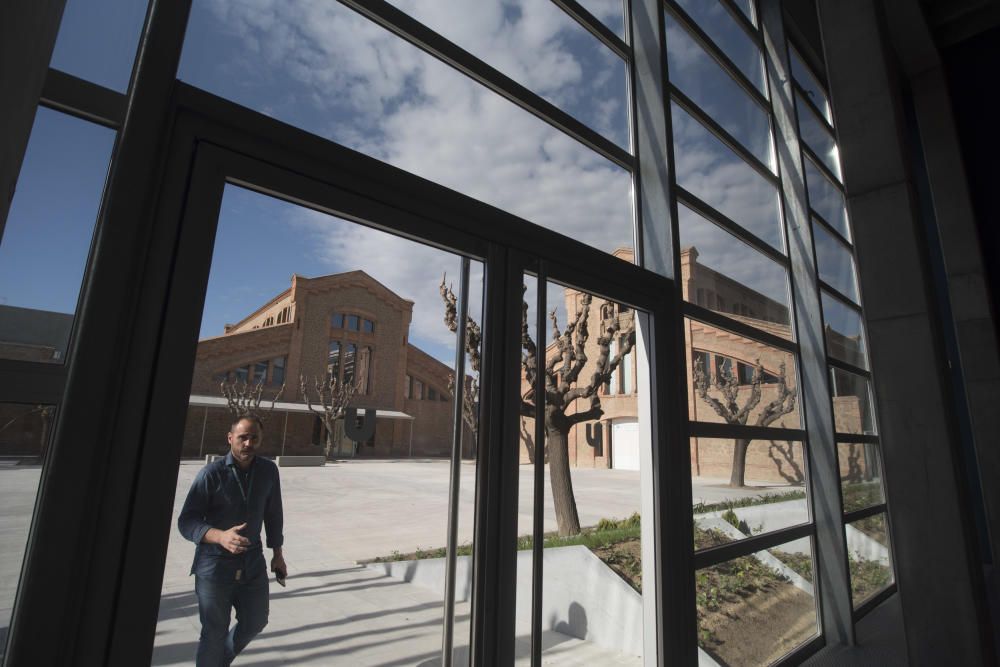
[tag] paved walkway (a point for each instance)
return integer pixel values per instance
(334, 611)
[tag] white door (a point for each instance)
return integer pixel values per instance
(625, 444)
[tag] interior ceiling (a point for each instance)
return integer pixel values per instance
(955, 21)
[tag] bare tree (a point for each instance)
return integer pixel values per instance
(334, 398)
(473, 348)
(563, 387)
(729, 409)
(244, 399)
(562, 366)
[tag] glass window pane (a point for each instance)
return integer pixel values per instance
(804, 77)
(716, 266)
(722, 398)
(757, 608)
(723, 28)
(337, 321)
(537, 44)
(852, 403)
(711, 171)
(278, 371)
(350, 358)
(353, 323)
(845, 339)
(400, 469)
(699, 76)
(369, 326)
(325, 68)
(333, 361)
(817, 137)
(592, 457)
(608, 12)
(741, 488)
(47, 239)
(98, 40)
(25, 430)
(860, 475)
(748, 9)
(868, 557)
(826, 199)
(259, 372)
(835, 262)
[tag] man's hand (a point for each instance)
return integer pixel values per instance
(278, 567)
(230, 540)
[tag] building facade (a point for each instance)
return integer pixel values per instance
(347, 327)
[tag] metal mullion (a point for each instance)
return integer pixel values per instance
(804, 94)
(416, 33)
(698, 429)
(689, 105)
(827, 287)
(494, 544)
(706, 210)
(831, 581)
(83, 99)
(448, 634)
(836, 294)
(594, 26)
(747, 25)
(870, 511)
(538, 524)
(857, 438)
(830, 228)
(720, 320)
(750, 545)
(850, 368)
(807, 149)
(718, 54)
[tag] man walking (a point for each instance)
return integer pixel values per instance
(229, 501)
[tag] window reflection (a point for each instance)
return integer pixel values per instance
(726, 32)
(817, 137)
(852, 403)
(46, 238)
(538, 45)
(805, 78)
(844, 333)
(608, 12)
(325, 68)
(724, 274)
(825, 198)
(711, 171)
(98, 40)
(700, 77)
(835, 262)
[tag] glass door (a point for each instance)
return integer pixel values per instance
(351, 354)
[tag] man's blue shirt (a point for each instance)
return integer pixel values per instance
(220, 497)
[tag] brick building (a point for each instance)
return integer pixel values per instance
(716, 351)
(348, 326)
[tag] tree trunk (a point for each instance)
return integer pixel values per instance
(562, 484)
(738, 477)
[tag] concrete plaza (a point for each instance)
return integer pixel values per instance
(335, 611)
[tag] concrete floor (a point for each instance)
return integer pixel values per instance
(333, 611)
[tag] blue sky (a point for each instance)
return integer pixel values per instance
(322, 67)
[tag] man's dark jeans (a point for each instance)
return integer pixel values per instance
(218, 644)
